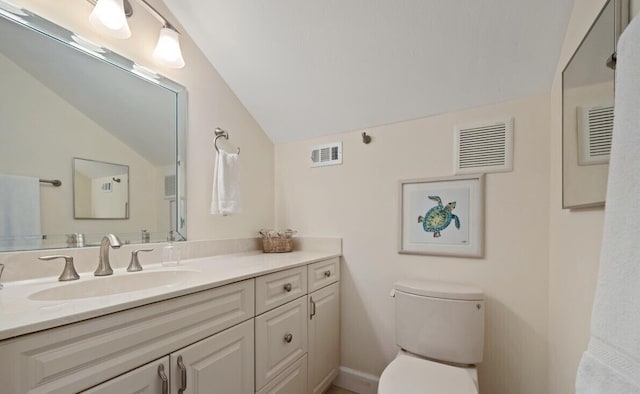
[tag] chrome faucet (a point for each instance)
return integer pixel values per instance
(104, 268)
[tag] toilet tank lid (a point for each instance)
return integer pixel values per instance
(449, 291)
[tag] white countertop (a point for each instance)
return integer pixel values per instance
(21, 315)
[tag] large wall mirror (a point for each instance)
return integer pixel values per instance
(63, 99)
(587, 109)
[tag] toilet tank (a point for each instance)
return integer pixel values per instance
(440, 321)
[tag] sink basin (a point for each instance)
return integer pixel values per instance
(118, 284)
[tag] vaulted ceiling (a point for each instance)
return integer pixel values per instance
(305, 68)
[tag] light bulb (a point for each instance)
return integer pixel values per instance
(167, 50)
(108, 15)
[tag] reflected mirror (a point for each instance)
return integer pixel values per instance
(587, 109)
(64, 98)
(100, 190)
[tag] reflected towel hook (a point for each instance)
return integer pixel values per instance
(220, 133)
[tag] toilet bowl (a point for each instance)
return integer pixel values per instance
(440, 331)
(411, 374)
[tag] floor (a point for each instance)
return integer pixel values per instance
(338, 390)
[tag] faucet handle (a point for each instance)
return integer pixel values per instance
(134, 265)
(69, 272)
(1, 269)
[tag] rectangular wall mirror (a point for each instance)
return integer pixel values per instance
(100, 190)
(65, 98)
(587, 109)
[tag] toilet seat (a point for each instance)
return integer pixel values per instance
(409, 374)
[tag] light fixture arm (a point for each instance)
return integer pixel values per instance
(157, 15)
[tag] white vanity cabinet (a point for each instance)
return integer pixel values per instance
(298, 339)
(324, 324)
(269, 334)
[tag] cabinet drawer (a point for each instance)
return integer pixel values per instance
(279, 288)
(78, 356)
(323, 273)
(291, 381)
(281, 339)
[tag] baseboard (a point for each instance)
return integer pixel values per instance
(356, 381)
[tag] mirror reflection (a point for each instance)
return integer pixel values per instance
(587, 127)
(64, 98)
(100, 190)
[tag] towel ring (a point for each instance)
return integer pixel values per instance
(220, 133)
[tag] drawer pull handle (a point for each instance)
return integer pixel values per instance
(313, 308)
(327, 273)
(287, 287)
(164, 378)
(183, 376)
(288, 338)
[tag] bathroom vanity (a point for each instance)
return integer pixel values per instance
(241, 323)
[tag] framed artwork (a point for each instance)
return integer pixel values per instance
(442, 216)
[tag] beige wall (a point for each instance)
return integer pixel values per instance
(211, 105)
(574, 237)
(358, 201)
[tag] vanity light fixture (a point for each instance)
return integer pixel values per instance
(111, 16)
(168, 50)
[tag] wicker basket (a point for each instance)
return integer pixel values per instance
(277, 245)
(277, 242)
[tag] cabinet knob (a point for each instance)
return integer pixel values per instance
(288, 338)
(287, 287)
(327, 273)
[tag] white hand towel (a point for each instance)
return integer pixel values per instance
(225, 198)
(20, 212)
(611, 363)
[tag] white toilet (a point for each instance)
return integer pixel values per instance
(440, 330)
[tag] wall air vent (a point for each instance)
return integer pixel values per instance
(595, 129)
(106, 187)
(485, 147)
(326, 155)
(169, 187)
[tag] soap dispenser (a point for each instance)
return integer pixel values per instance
(171, 252)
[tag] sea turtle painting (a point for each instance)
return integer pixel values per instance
(439, 217)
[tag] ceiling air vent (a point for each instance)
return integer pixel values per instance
(595, 129)
(485, 147)
(326, 155)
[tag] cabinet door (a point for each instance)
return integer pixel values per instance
(324, 337)
(152, 378)
(220, 364)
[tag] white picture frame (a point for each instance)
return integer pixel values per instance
(442, 216)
